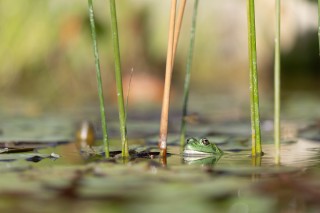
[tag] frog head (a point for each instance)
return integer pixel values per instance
(201, 147)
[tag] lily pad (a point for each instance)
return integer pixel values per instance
(34, 157)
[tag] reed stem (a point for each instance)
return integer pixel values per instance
(121, 106)
(178, 27)
(319, 24)
(254, 92)
(188, 73)
(99, 81)
(167, 84)
(277, 70)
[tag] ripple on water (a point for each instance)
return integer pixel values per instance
(303, 153)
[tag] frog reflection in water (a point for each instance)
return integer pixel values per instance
(201, 147)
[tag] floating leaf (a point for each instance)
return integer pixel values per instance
(35, 157)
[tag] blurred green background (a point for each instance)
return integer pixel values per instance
(46, 57)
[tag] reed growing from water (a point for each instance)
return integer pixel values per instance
(188, 73)
(319, 24)
(178, 27)
(174, 33)
(254, 92)
(167, 84)
(277, 69)
(99, 81)
(121, 105)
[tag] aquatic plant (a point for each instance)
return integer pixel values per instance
(121, 106)
(277, 84)
(254, 92)
(188, 73)
(319, 24)
(99, 81)
(167, 84)
(178, 27)
(174, 32)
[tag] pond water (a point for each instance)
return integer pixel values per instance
(73, 181)
(44, 170)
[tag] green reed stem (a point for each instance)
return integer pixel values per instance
(277, 67)
(188, 73)
(98, 74)
(319, 24)
(254, 92)
(121, 106)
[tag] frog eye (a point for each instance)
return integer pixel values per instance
(205, 141)
(189, 140)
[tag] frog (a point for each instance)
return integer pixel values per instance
(202, 147)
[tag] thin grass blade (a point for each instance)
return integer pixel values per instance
(188, 73)
(99, 81)
(254, 92)
(277, 67)
(121, 105)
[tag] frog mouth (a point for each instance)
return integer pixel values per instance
(203, 160)
(188, 152)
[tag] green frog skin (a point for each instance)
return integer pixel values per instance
(201, 147)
